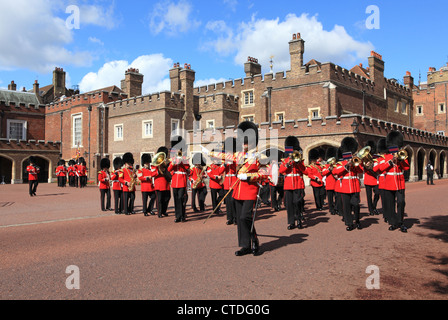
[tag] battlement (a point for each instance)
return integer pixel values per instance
(218, 101)
(29, 145)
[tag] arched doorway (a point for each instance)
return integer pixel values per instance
(420, 164)
(442, 164)
(5, 170)
(408, 173)
(42, 163)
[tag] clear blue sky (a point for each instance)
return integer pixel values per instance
(215, 37)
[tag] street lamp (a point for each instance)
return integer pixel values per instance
(355, 126)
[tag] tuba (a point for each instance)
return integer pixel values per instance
(364, 155)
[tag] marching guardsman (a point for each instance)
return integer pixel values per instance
(179, 169)
(61, 173)
(276, 190)
(197, 176)
(292, 168)
(33, 181)
(162, 181)
(371, 180)
(230, 148)
(128, 179)
(104, 183)
(350, 187)
(314, 172)
(265, 192)
(117, 187)
(393, 168)
(382, 150)
(330, 180)
(146, 175)
(215, 173)
(338, 186)
(71, 173)
(246, 190)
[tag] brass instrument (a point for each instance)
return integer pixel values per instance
(159, 161)
(199, 179)
(402, 154)
(331, 161)
(364, 154)
(356, 161)
(296, 156)
(133, 181)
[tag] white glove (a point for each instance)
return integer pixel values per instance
(242, 176)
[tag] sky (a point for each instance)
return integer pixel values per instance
(96, 41)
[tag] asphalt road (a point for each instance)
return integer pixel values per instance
(48, 240)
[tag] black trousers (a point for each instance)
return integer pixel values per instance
(394, 204)
(338, 203)
(33, 186)
(230, 206)
(350, 202)
(244, 213)
(331, 201)
(294, 204)
(105, 194)
(82, 181)
(128, 202)
(152, 199)
(217, 195)
(429, 178)
(277, 194)
(317, 192)
(163, 199)
(71, 181)
(180, 202)
(118, 201)
(200, 194)
(372, 202)
(265, 193)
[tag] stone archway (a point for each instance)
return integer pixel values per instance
(421, 155)
(7, 174)
(45, 165)
(442, 163)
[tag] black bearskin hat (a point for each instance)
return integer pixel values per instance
(372, 146)
(339, 154)
(128, 158)
(394, 139)
(313, 155)
(331, 152)
(293, 142)
(321, 153)
(105, 163)
(247, 134)
(32, 159)
(164, 150)
(61, 162)
(381, 146)
(146, 158)
(349, 144)
(118, 163)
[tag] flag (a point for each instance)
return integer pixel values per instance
(78, 153)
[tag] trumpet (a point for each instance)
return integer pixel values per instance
(402, 154)
(331, 161)
(296, 156)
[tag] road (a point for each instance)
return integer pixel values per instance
(137, 257)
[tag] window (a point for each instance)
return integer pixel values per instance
(16, 129)
(442, 108)
(118, 132)
(419, 110)
(314, 113)
(396, 105)
(175, 126)
(280, 116)
(77, 130)
(404, 108)
(210, 124)
(248, 98)
(248, 118)
(147, 129)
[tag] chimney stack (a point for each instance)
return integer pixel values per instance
(408, 80)
(132, 83)
(36, 88)
(376, 67)
(12, 86)
(252, 67)
(175, 78)
(59, 82)
(296, 51)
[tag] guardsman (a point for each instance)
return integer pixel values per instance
(393, 168)
(330, 180)
(314, 172)
(162, 183)
(292, 168)
(71, 173)
(146, 175)
(371, 180)
(197, 177)
(382, 151)
(104, 181)
(347, 172)
(276, 190)
(246, 190)
(128, 179)
(33, 180)
(117, 187)
(215, 173)
(61, 173)
(179, 169)
(230, 148)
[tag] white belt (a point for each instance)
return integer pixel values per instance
(230, 175)
(293, 175)
(349, 178)
(180, 172)
(394, 173)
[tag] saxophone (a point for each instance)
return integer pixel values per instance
(199, 179)
(133, 180)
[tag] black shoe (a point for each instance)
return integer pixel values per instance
(291, 226)
(358, 226)
(242, 252)
(255, 247)
(229, 222)
(145, 214)
(349, 228)
(152, 213)
(299, 225)
(403, 228)
(177, 220)
(393, 227)
(183, 219)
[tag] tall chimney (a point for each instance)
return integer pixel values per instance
(252, 67)
(408, 80)
(36, 88)
(12, 86)
(132, 83)
(175, 78)
(296, 50)
(59, 82)
(376, 67)
(187, 77)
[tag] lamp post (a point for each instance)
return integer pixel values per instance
(355, 126)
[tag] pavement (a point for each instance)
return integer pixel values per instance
(49, 242)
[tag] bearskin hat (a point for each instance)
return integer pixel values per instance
(339, 154)
(313, 155)
(146, 158)
(372, 146)
(105, 163)
(128, 158)
(349, 144)
(381, 146)
(293, 142)
(164, 150)
(32, 159)
(331, 152)
(61, 162)
(118, 163)
(321, 153)
(394, 139)
(248, 134)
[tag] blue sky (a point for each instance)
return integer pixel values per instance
(215, 37)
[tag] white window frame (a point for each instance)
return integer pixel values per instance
(282, 114)
(24, 128)
(396, 105)
(405, 107)
(144, 134)
(74, 117)
(416, 110)
(116, 132)
(177, 131)
(311, 113)
(208, 122)
(441, 132)
(250, 97)
(245, 117)
(444, 108)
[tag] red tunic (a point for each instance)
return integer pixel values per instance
(293, 175)
(116, 184)
(194, 176)
(370, 179)
(248, 189)
(145, 175)
(215, 172)
(314, 172)
(32, 172)
(160, 182)
(126, 175)
(61, 171)
(348, 180)
(393, 173)
(230, 178)
(179, 172)
(330, 182)
(103, 179)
